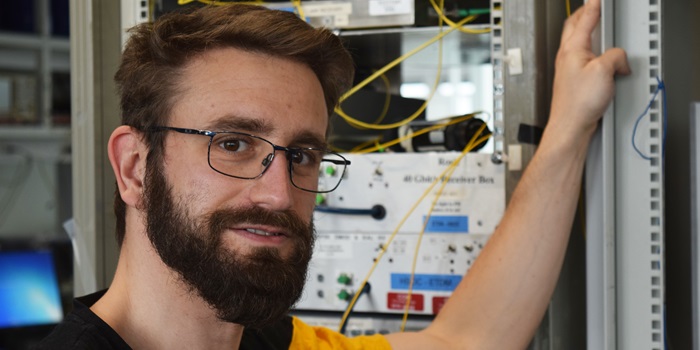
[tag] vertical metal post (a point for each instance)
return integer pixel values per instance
(695, 217)
(95, 47)
(625, 191)
(600, 216)
(522, 100)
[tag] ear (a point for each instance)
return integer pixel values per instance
(127, 154)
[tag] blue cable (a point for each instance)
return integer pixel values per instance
(662, 88)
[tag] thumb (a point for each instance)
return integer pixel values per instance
(617, 59)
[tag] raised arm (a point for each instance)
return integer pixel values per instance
(501, 301)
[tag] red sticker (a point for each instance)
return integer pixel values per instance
(438, 303)
(397, 301)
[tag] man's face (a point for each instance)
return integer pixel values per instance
(241, 245)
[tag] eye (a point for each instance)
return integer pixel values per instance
(296, 156)
(234, 144)
(302, 157)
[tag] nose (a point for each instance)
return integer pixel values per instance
(274, 190)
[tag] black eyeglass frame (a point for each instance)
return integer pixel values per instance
(289, 152)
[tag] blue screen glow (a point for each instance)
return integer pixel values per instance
(28, 289)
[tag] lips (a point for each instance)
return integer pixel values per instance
(263, 232)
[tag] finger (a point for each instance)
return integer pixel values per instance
(617, 59)
(590, 16)
(570, 24)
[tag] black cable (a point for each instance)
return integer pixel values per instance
(365, 290)
(378, 211)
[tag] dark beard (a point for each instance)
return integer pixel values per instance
(254, 290)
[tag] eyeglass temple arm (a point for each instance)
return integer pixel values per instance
(183, 130)
(337, 162)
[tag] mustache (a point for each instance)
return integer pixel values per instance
(295, 226)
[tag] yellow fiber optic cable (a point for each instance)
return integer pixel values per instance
(382, 251)
(414, 262)
(387, 99)
(385, 246)
(417, 133)
(395, 62)
(362, 125)
(365, 144)
(471, 143)
(456, 25)
(219, 3)
(452, 167)
(383, 70)
(385, 108)
(385, 145)
(300, 10)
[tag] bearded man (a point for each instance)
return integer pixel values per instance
(225, 112)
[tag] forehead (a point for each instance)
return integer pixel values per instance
(229, 87)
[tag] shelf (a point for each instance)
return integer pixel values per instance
(401, 30)
(33, 41)
(34, 133)
(38, 63)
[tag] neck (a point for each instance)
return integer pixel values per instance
(151, 308)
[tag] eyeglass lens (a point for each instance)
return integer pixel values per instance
(245, 156)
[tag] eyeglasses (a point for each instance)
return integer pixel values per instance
(245, 156)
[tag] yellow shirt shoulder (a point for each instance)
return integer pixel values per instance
(306, 337)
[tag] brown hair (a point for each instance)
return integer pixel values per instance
(155, 54)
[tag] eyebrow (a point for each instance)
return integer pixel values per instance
(263, 128)
(308, 139)
(240, 123)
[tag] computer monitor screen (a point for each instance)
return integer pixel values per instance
(29, 293)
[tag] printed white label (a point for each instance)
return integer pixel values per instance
(390, 7)
(341, 21)
(333, 250)
(319, 9)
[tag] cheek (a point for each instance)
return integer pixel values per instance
(211, 192)
(191, 178)
(193, 189)
(306, 203)
(187, 156)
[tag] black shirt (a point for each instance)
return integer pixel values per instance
(83, 329)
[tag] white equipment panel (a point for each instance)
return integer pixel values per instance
(353, 14)
(462, 219)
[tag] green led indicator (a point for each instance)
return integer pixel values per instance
(330, 170)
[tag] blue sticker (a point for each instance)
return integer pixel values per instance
(441, 283)
(292, 10)
(449, 224)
